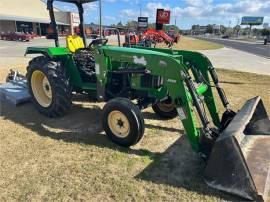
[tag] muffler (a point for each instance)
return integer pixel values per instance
(239, 162)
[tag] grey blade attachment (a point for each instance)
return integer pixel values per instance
(239, 163)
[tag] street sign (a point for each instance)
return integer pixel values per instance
(75, 19)
(163, 16)
(250, 20)
(142, 22)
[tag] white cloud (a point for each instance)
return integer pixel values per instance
(198, 2)
(90, 7)
(189, 12)
(222, 11)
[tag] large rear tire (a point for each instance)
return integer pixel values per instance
(123, 122)
(49, 86)
(165, 109)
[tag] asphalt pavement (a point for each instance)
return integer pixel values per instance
(250, 47)
(12, 56)
(12, 52)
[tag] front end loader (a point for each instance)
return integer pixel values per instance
(176, 83)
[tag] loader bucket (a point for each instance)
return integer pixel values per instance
(239, 162)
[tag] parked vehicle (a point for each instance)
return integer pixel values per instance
(16, 36)
(174, 35)
(266, 39)
(225, 37)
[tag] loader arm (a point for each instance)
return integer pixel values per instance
(201, 68)
(237, 150)
(176, 81)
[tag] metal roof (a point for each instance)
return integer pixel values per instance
(32, 11)
(28, 19)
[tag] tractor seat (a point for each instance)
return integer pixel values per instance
(74, 43)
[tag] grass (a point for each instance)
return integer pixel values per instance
(70, 158)
(187, 43)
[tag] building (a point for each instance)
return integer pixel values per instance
(32, 16)
(212, 29)
(197, 29)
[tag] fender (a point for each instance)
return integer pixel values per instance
(51, 52)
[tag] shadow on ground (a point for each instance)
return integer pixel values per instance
(83, 126)
(179, 167)
(241, 83)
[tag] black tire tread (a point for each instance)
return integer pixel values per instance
(135, 110)
(165, 115)
(59, 80)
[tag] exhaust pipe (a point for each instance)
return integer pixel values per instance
(239, 162)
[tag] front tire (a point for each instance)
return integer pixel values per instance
(165, 109)
(49, 87)
(123, 122)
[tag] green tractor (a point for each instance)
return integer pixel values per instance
(176, 83)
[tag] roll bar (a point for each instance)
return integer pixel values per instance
(79, 4)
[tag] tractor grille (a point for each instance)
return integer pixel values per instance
(149, 81)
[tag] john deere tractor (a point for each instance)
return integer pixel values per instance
(176, 83)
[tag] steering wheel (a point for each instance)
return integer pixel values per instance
(96, 42)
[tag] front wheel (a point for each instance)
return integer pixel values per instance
(123, 122)
(165, 109)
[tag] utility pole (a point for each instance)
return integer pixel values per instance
(238, 27)
(140, 5)
(238, 21)
(100, 19)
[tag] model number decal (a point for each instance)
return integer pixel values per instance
(171, 80)
(97, 68)
(181, 113)
(163, 63)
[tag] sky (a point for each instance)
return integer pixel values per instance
(185, 12)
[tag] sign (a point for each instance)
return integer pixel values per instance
(216, 27)
(266, 25)
(143, 22)
(75, 19)
(249, 20)
(163, 16)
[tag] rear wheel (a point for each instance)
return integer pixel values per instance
(165, 109)
(49, 86)
(123, 122)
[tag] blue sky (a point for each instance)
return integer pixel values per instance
(186, 12)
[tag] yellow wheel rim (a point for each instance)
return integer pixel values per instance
(119, 124)
(41, 88)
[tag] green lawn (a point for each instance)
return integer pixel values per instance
(188, 43)
(70, 159)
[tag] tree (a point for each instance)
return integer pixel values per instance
(223, 29)
(132, 24)
(237, 29)
(265, 32)
(119, 24)
(229, 31)
(209, 29)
